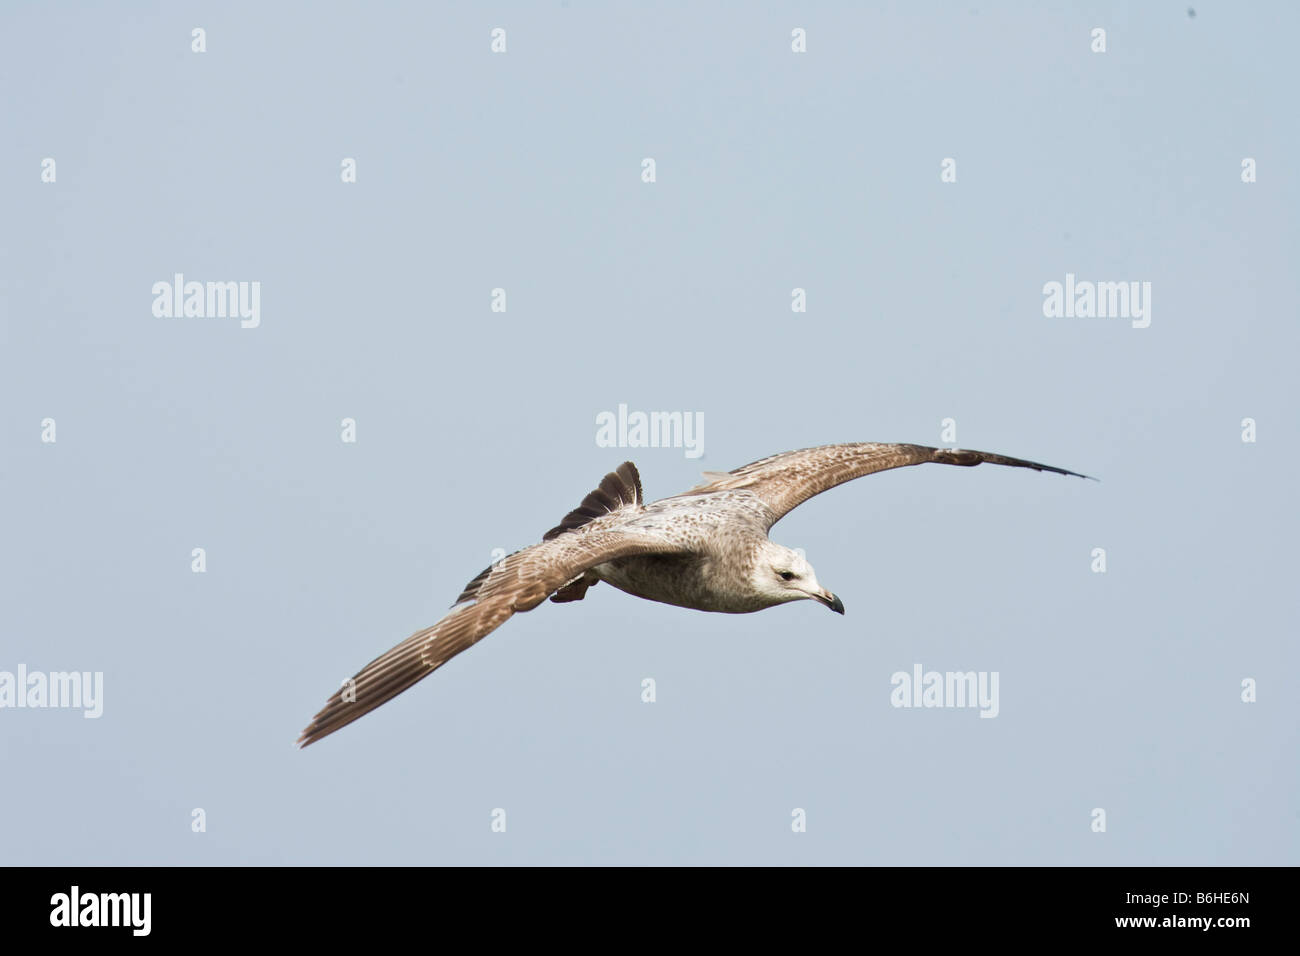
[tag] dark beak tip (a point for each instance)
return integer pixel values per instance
(836, 604)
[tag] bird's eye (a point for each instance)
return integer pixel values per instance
(786, 575)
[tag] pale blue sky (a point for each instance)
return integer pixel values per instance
(476, 430)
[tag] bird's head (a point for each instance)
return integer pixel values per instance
(782, 575)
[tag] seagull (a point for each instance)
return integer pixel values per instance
(706, 549)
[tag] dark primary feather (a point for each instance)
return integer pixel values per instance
(621, 488)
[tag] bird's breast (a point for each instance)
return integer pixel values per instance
(691, 581)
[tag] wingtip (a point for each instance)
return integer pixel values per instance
(1077, 474)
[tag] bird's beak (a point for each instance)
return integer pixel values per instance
(831, 601)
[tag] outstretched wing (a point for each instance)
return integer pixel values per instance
(518, 583)
(785, 481)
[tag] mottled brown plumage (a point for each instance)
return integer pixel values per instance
(705, 549)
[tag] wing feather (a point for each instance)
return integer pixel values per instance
(518, 583)
(785, 481)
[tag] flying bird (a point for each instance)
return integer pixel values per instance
(705, 549)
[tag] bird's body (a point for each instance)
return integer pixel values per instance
(701, 582)
(719, 534)
(706, 549)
